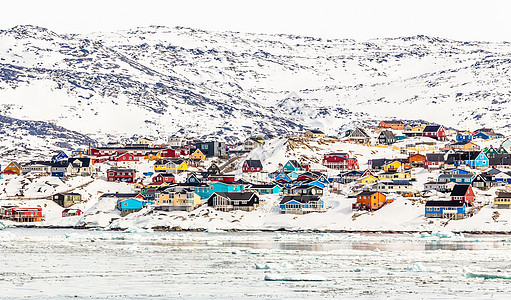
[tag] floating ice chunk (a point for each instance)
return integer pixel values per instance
(438, 234)
(298, 277)
(486, 275)
(138, 230)
(419, 267)
(212, 230)
(376, 250)
(274, 266)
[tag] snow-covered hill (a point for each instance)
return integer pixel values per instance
(158, 81)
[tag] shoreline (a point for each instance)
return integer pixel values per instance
(179, 229)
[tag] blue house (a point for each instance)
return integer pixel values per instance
(456, 171)
(218, 187)
(292, 166)
(193, 179)
(301, 204)
(59, 157)
(463, 137)
(471, 159)
(457, 178)
(76, 153)
(445, 209)
(282, 177)
(131, 205)
(400, 137)
(481, 135)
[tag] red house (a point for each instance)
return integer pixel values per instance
(170, 153)
(163, 178)
(121, 175)
(340, 161)
(222, 178)
(69, 212)
(123, 158)
(251, 165)
(434, 131)
(463, 192)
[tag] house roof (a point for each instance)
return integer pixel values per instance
(119, 195)
(470, 175)
(262, 186)
(456, 203)
(366, 193)
(236, 195)
(316, 131)
(431, 128)
(301, 199)
(460, 190)
(84, 160)
(389, 135)
(436, 157)
(393, 122)
(254, 163)
(504, 195)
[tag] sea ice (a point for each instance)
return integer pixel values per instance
(273, 266)
(298, 277)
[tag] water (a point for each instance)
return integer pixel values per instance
(58, 264)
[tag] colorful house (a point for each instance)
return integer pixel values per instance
(367, 179)
(301, 204)
(464, 136)
(434, 161)
(386, 137)
(454, 210)
(358, 136)
(434, 131)
(70, 212)
(124, 159)
(131, 205)
(60, 157)
(66, 199)
(457, 178)
(229, 201)
(152, 155)
(265, 189)
(163, 178)
(394, 175)
(170, 166)
(340, 161)
(252, 165)
(218, 187)
(417, 160)
(463, 192)
(315, 133)
(121, 175)
(293, 165)
(184, 200)
(398, 125)
(465, 146)
(369, 201)
(197, 154)
(393, 166)
(503, 200)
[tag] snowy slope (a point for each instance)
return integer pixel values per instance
(158, 81)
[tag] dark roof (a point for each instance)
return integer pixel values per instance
(389, 135)
(120, 170)
(470, 175)
(437, 157)
(236, 195)
(316, 131)
(61, 164)
(301, 199)
(504, 195)
(366, 193)
(295, 163)
(459, 190)
(166, 175)
(85, 161)
(393, 122)
(253, 163)
(119, 195)
(68, 194)
(262, 186)
(456, 203)
(431, 128)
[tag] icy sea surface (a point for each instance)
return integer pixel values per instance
(64, 263)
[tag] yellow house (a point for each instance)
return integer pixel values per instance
(152, 155)
(184, 200)
(392, 166)
(198, 155)
(399, 175)
(170, 165)
(145, 141)
(314, 134)
(418, 128)
(367, 179)
(13, 168)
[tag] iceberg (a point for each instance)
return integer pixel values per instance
(419, 267)
(486, 275)
(299, 277)
(273, 266)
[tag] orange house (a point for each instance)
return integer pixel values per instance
(12, 168)
(198, 155)
(398, 125)
(417, 160)
(370, 201)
